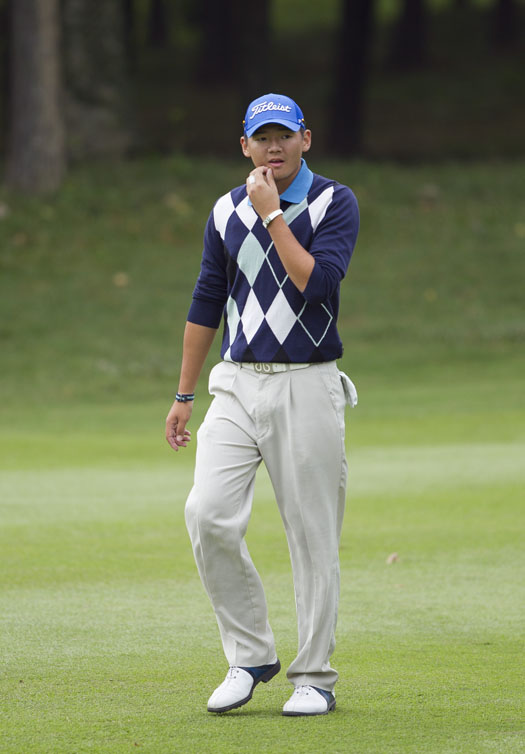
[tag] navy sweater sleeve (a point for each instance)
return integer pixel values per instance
(332, 246)
(211, 290)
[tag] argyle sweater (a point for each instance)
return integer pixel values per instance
(266, 318)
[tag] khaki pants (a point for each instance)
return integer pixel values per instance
(294, 422)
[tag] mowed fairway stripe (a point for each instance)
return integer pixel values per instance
(390, 470)
(109, 642)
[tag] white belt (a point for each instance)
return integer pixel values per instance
(270, 367)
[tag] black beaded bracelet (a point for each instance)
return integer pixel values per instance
(185, 397)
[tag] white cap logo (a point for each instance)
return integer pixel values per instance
(264, 106)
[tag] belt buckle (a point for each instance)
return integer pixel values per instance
(263, 367)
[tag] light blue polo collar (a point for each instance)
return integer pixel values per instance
(299, 187)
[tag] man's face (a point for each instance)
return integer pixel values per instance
(278, 148)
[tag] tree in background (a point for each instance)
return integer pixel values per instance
(408, 47)
(218, 42)
(97, 102)
(504, 23)
(350, 76)
(254, 59)
(130, 34)
(36, 159)
(158, 23)
(235, 47)
(184, 61)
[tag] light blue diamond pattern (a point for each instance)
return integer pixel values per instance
(294, 210)
(251, 258)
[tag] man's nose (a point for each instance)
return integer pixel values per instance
(275, 144)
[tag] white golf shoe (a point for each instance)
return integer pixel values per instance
(237, 688)
(309, 700)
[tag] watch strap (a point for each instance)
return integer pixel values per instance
(272, 216)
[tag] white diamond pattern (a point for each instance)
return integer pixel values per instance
(317, 209)
(222, 212)
(247, 214)
(233, 318)
(252, 316)
(281, 317)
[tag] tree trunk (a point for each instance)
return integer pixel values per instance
(130, 34)
(218, 45)
(408, 49)
(158, 23)
(4, 70)
(504, 24)
(36, 151)
(235, 62)
(97, 91)
(254, 45)
(352, 60)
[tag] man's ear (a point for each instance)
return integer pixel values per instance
(244, 146)
(307, 140)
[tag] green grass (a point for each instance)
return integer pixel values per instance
(107, 639)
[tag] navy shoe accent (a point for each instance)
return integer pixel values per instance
(263, 673)
(237, 688)
(330, 698)
(309, 700)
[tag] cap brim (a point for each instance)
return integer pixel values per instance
(287, 123)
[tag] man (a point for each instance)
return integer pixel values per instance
(275, 251)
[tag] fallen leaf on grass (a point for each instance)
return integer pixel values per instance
(121, 279)
(177, 204)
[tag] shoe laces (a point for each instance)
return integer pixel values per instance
(232, 673)
(302, 690)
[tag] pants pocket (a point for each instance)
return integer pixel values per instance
(222, 377)
(349, 388)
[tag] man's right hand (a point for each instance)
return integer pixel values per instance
(176, 433)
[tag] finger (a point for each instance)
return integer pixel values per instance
(172, 442)
(183, 440)
(171, 435)
(177, 441)
(252, 178)
(270, 178)
(179, 437)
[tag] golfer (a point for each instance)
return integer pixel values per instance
(275, 252)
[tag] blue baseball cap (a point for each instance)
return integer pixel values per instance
(273, 108)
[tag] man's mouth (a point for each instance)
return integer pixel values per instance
(275, 163)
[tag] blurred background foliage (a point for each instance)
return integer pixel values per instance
(133, 110)
(382, 79)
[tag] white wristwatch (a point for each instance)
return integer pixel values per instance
(272, 216)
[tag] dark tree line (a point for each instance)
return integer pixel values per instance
(67, 88)
(36, 149)
(72, 65)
